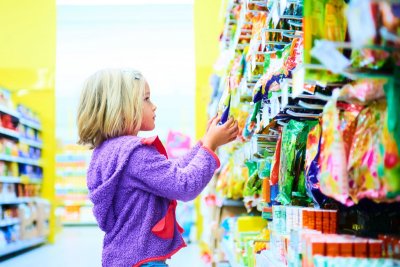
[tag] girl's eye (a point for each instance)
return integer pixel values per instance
(147, 99)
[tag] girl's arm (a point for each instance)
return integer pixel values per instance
(184, 160)
(154, 173)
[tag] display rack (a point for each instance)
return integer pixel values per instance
(24, 216)
(282, 79)
(73, 204)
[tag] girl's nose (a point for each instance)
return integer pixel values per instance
(154, 107)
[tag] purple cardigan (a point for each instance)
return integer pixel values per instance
(133, 186)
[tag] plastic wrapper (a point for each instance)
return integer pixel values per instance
(264, 168)
(389, 164)
(332, 160)
(347, 123)
(275, 164)
(363, 91)
(253, 185)
(251, 123)
(312, 168)
(225, 109)
(363, 160)
(291, 173)
(393, 105)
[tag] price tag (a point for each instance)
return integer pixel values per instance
(298, 81)
(284, 93)
(329, 56)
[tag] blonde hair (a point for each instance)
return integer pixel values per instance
(110, 105)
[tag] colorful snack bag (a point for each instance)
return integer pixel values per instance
(312, 168)
(389, 164)
(363, 158)
(332, 159)
(291, 176)
(276, 159)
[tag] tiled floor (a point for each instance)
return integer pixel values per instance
(81, 247)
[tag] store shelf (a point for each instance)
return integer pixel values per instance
(17, 201)
(9, 111)
(20, 160)
(33, 181)
(31, 143)
(30, 124)
(9, 222)
(232, 203)
(79, 223)
(10, 133)
(10, 179)
(75, 203)
(21, 245)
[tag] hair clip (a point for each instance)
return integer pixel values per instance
(136, 75)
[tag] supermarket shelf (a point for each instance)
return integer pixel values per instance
(9, 111)
(17, 201)
(33, 181)
(10, 179)
(80, 224)
(75, 203)
(20, 160)
(21, 245)
(9, 222)
(31, 143)
(10, 133)
(30, 124)
(232, 203)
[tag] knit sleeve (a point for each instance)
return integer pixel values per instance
(154, 173)
(184, 160)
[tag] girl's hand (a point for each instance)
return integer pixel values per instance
(218, 135)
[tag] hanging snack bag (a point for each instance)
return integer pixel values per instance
(287, 174)
(275, 164)
(332, 160)
(312, 168)
(389, 164)
(363, 158)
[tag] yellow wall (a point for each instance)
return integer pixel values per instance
(27, 67)
(208, 23)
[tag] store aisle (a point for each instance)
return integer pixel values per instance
(81, 247)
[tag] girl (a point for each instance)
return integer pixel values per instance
(132, 183)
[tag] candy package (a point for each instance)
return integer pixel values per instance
(389, 163)
(363, 91)
(332, 159)
(291, 174)
(363, 158)
(275, 164)
(312, 168)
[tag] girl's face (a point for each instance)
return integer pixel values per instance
(149, 115)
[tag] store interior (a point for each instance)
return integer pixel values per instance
(312, 179)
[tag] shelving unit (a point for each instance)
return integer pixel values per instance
(19, 187)
(320, 180)
(71, 190)
(21, 245)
